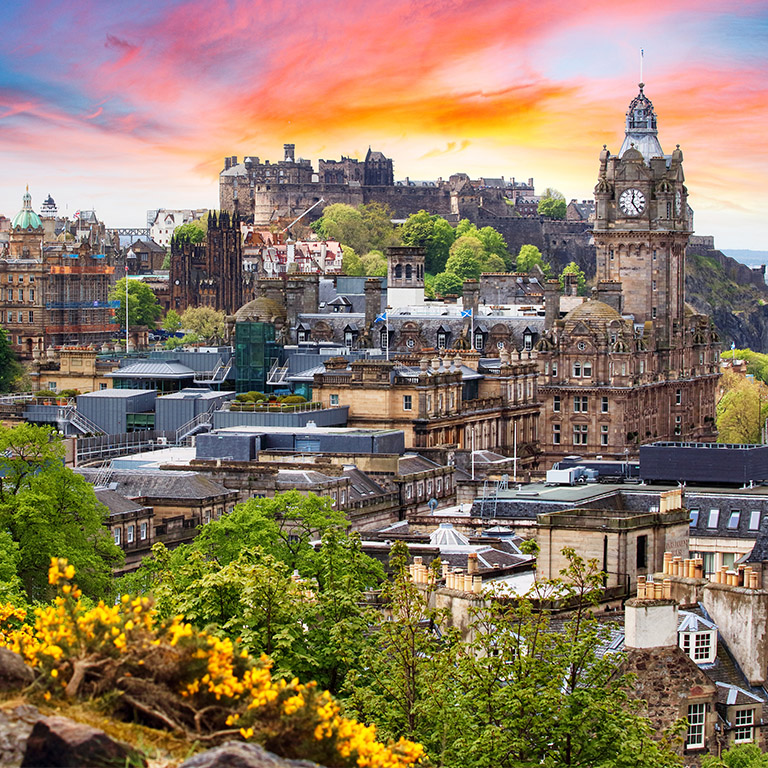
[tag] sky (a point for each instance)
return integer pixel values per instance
(127, 106)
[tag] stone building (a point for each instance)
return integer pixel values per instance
(636, 362)
(52, 294)
(210, 274)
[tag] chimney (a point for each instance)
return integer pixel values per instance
(609, 292)
(372, 301)
(551, 303)
(650, 623)
(570, 285)
(471, 296)
(472, 563)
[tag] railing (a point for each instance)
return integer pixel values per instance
(83, 423)
(103, 447)
(277, 373)
(235, 406)
(104, 476)
(202, 419)
(219, 373)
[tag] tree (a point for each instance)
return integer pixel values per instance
(377, 219)
(434, 234)
(351, 263)
(738, 756)
(166, 261)
(494, 243)
(10, 368)
(466, 228)
(530, 257)
(757, 362)
(143, 306)
(493, 263)
(467, 255)
(193, 231)
(46, 510)
(345, 224)
(581, 279)
(552, 204)
(741, 410)
(447, 284)
(374, 264)
(206, 323)
(172, 321)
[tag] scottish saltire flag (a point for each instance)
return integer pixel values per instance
(382, 317)
(466, 313)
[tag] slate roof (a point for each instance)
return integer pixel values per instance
(155, 369)
(303, 477)
(412, 463)
(116, 503)
(160, 484)
(361, 485)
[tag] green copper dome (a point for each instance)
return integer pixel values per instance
(26, 218)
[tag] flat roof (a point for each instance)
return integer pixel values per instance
(196, 394)
(258, 430)
(117, 393)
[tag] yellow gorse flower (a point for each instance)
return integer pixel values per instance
(211, 670)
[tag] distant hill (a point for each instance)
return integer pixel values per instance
(745, 256)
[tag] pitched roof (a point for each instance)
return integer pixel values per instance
(160, 484)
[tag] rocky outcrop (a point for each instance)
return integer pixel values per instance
(236, 754)
(14, 673)
(15, 726)
(58, 742)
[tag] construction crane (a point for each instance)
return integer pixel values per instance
(321, 200)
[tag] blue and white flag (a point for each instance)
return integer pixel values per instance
(466, 312)
(733, 345)
(381, 318)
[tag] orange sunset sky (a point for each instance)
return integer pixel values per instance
(128, 106)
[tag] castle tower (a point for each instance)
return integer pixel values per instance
(26, 237)
(641, 226)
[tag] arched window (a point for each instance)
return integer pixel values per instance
(398, 270)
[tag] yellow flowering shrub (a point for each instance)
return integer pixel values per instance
(170, 674)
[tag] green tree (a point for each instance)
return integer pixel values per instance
(581, 279)
(172, 321)
(47, 510)
(738, 756)
(10, 368)
(742, 409)
(374, 264)
(757, 362)
(377, 219)
(447, 284)
(166, 261)
(465, 228)
(206, 323)
(493, 263)
(494, 243)
(466, 259)
(143, 306)
(434, 234)
(345, 224)
(194, 231)
(530, 257)
(351, 264)
(552, 204)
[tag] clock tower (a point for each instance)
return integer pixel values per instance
(642, 228)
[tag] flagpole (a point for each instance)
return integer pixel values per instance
(472, 328)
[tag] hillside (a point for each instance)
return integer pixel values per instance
(733, 294)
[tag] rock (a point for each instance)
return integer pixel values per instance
(15, 726)
(57, 742)
(14, 673)
(238, 754)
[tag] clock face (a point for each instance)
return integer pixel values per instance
(632, 202)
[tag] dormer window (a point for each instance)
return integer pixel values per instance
(697, 637)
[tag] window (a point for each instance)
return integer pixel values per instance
(653, 312)
(579, 434)
(702, 646)
(143, 531)
(528, 341)
(694, 518)
(334, 399)
(116, 535)
(407, 402)
(31, 278)
(21, 294)
(654, 255)
(408, 491)
(479, 341)
(678, 425)
(580, 403)
(441, 340)
(383, 338)
(438, 485)
(21, 317)
(654, 284)
(678, 397)
(129, 532)
(429, 403)
(555, 434)
(102, 385)
(31, 316)
(743, 721)
(642, 551)
(302, 335)
(420, 489)
(603, 434)
(577, 370)
(343, 497)
(554, 369)
(714, 516)
(51, 384)
(429, 487)
(604, 404)
(348, 338)
(31, 294)
(586, 370)
(556, 403)
(733, 520)
(754, 520)
(696, 717)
